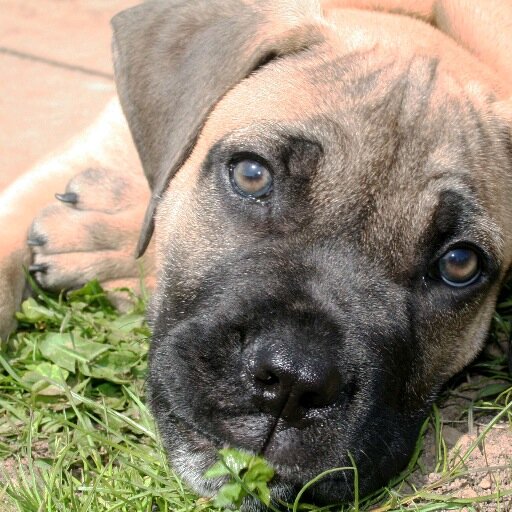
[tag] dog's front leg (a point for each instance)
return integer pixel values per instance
(63, 235)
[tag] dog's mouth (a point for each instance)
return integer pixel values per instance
(336, 485)
(295, 463)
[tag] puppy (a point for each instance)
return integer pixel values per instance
(330, 188)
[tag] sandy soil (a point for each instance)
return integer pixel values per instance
(488, 468)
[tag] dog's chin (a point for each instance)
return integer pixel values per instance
(191, 452)
(190, 459)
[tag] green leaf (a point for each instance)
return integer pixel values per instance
(257, 476)
(127, 323)
(259, 471)
(49, 371)
(263, 492)
(128, 327)
(66, 350)
(218, 470)
(32, 312)
(109, 390)
(45, 378)
(93, 295)
(229, 494)
(235, 460)
(492, 390)
(114, 366)
(249, 474)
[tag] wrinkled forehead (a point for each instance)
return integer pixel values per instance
(402, 143)
(320, 82)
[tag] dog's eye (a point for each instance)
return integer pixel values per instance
(460, 266)
(251, 179)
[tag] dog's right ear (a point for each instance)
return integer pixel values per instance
(175, 59)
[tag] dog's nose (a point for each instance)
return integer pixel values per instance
(293, 386)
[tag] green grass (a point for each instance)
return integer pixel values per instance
(75, 434)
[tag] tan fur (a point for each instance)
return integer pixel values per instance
(481, 28)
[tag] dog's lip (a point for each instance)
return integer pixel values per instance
(216, 442)
(284, 471)
(290, 477)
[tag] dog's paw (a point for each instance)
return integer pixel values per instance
(90, 232)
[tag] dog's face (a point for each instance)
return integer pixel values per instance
(330, 254)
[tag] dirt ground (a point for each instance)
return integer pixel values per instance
(488, 468)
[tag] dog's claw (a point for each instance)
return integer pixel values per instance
(36, 242)
(37, 267)
(68, 197)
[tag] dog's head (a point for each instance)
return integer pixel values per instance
(332, 241)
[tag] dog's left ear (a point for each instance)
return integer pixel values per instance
(175, 59)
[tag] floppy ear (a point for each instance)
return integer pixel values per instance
(175, 59)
